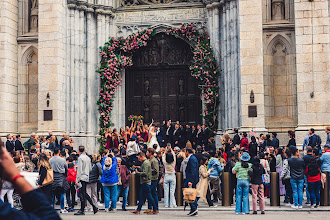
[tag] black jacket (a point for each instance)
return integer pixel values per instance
(18, 145)
(9, 146)
(236, 140)
(256, 174)
(95, 173)
(35, 206)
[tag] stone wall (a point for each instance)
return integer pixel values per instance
(8, 66)
(313, 78)
(251, 63)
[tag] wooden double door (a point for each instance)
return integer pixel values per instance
(163, 93)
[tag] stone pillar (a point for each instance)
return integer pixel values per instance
(71, 128)
(312, 62)
(8, 66)
(51, 61)
(251, 63)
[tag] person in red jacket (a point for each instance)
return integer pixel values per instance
(313, 174)
(72, 176)
(245, 141)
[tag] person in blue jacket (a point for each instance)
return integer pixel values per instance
(215, 176)
(109, 182)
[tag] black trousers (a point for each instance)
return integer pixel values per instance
(84, 196)
(100, 190)
(71, 195)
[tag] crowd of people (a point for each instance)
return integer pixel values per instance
(67, 173)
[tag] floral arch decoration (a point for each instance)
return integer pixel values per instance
(116, 54)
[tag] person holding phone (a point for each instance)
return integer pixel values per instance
(34, 202)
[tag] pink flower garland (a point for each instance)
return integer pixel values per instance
(117, 54)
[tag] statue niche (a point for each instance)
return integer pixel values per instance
(278, 10)
(33, 16)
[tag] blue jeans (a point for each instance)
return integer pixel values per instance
(125, 194)
(298, 191)
(169, 190)
(242, 196)
(110, 192)
(62, 195)
(314, 190)
(145, 193)
(154, 194)
(307, 190)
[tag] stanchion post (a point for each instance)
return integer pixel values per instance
(226, 182)
(132, 190)
(324, 200)
(178, 191)
(274, 189)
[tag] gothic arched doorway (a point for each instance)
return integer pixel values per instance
(159, 85)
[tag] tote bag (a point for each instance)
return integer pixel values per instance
(49, 178)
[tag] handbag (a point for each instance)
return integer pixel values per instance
(49, 178)
(265, 177)
(189, 194)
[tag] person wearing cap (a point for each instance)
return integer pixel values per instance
(241, 170)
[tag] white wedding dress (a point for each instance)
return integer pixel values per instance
(153, 140)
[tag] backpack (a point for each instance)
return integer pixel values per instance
(313, 168)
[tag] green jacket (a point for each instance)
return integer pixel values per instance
(145, 173)
(154, 168)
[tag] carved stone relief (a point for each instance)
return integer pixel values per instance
(128, 3)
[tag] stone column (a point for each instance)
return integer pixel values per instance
(52, 56)
(312, 62)
(251, 62)
(70, 129)
(8, 66)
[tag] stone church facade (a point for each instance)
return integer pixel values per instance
(273, 56)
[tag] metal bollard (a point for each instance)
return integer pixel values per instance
(226, 184)
(178, 191)
(132, 190)
(274, 189)
(324, 197)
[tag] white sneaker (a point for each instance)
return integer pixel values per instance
(106, 210)
(300, 207)
(99, 204)
(294, 207)
(213, 206)
(64, 211)
(289, 204)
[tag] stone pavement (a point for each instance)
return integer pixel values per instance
(203, 214)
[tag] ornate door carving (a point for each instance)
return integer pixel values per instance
(159, 85)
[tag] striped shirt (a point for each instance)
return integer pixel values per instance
(242, 173)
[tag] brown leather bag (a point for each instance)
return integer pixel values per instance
(49, 178)
(189, 194)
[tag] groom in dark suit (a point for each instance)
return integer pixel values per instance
(168, 129)
(159, 136)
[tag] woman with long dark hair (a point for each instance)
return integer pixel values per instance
(43, 167)
(292, 136)
(241, 169)
(279, 167)
(169, 161)
(257, 185)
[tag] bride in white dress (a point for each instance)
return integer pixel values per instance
(153, 139)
